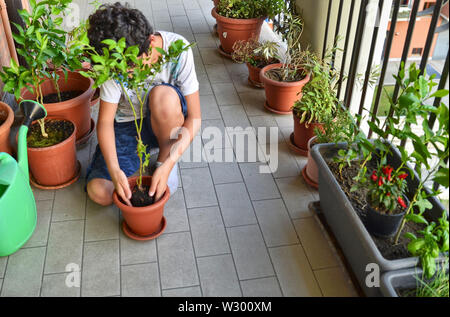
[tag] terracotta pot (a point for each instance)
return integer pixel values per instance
(143, 221)
(253, 76)
(7, 116)
(310, 172)
(281, 96)
(232, 30)
(96, 97)
(56, 165)
(78, 109)
(303, 133)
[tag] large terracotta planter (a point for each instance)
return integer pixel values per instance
(7, 116)
(253, 76)
(302, 134)
(281, 96)
(54, 166)
(77, 110)
(143, 223)
(232, 30)
(310, 172)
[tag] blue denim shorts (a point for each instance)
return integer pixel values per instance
(125, 133)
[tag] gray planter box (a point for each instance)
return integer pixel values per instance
(356, 243)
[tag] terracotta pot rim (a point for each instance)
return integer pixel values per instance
(9, 117)
(266, 79)
(69, 102)
(151, 208)
(223, 19)
(309, 124)
(60, 144)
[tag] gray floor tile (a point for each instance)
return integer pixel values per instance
(65, 245)
(227, 172)
(253, 102)
(181, 22)
(183, 292)
(266, 129)
(334, 283)
(101, 269)
(234, 116)
(3, 260)
(217, 73)
(102, 223)
(261, 287)
(260, 186)
(210, 56)
(176, 11)
(235, 205)
(210, 110)
(218, 276)
(177, 261)
(226, 94)
(194, 156)
(198, 188)
(205, 40)
(249, 252)
(276, 226)
(40, 194)
(240, 81)
(246, 146)
(204, 85)
(135, 252)
(23, 274)
(293, 271)
(175, 213)
(287, 165)
(140, 280)
(199, 25)
(70, 202)
(316, 246)
(208, 231)
(214, 134)
(54, 285)
(40, 234)
(296, 195)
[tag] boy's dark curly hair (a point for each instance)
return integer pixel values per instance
(115, 21)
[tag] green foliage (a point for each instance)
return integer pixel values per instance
(437, 287)
(249, 9)
(133, 72)
(430, 242)
(258, 54)
(337, 128)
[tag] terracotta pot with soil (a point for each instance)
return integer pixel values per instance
(76, 94)
(303, 132)
(6, 120)
(254, 76)
(232, 30)
(52, 160)
(310, 172)
(144, 220)
(280, 95)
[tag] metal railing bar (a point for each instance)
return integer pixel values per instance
(336, 33)
(431, 35)
(330, 3)
(442, 82)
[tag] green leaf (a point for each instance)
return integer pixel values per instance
(442, 177)
(416, 218)
(423, 204)
(440, 93)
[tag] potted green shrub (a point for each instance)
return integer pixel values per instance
(346, 169)
(51, 76)
(283, 82)
(256, 55)
(144, 218)
(242, 20)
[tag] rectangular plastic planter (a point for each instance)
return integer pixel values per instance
(351, 234)
(393, 280)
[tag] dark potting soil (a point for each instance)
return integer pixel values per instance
(359, 203)
(65, 95)
(140, 198)
(57, 131)
(275, 74)
(1, 121)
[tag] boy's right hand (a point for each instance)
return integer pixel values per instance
(121, 185)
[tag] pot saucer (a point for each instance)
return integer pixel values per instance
(223, 53)
(266, 105)
(87, 136)
(126, 229)
(295, 148)
(255, 84)
(51, 187)
(308, 180)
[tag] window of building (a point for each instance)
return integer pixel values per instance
(417, 51)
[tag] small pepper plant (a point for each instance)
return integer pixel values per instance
(135, 74)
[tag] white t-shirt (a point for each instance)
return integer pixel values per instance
(181, 75)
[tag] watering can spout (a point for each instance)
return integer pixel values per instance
(32, 110)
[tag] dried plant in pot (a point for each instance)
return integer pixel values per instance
(256, 55)
(242, 20)
(143, 219)
(50, 76)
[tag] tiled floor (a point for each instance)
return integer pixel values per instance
(231, 231)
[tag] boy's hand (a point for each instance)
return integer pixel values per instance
(159, 180)
(121, 185)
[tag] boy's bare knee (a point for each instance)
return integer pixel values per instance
(100, 191)
(164, 103)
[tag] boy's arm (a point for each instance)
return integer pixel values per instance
(107, 143)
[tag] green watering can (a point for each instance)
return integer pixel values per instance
(17, 205)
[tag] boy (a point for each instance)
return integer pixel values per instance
(173, 103)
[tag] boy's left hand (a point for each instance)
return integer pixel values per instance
(159, 180)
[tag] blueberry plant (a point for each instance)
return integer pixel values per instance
(135, 75)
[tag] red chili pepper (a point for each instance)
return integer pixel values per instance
(374, 177)
(380, 181)
(388, 194)
(403, 176)
(401, 202)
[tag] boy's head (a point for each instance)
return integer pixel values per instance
(115, 21)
